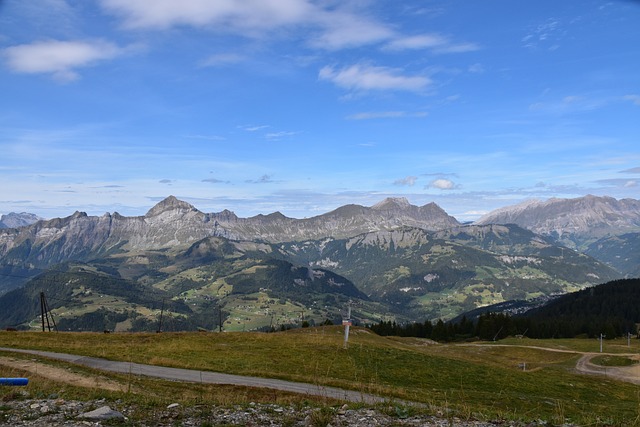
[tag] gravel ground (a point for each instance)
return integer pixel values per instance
(56, 412)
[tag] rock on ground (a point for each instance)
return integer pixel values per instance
(61, 413)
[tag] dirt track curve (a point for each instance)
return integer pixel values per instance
(189, 375)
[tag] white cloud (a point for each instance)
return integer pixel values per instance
(407, 181)
(424, 41)
(342, 30)
(442, 184)
(278, 135)
(254, 128)
(326, 26)
(435, 42)
(58, 58)
(367, 77)
(228, 14)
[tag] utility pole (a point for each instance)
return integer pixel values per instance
(498, 333)
(44, 313)
(601, 337)
(161, 313)
(219, 318)
(42, 310)
(347, 324)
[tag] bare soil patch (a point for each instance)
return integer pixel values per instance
(62, 375)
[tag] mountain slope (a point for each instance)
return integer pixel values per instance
(441, 274)
(209, 282)
(621, 252)
(611, 309)
(574, 222)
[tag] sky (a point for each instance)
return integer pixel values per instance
(302, 106)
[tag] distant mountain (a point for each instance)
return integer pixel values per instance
(441, 274)
(390, 259)
(15, 220)
(173, 223)
(346, 221)
(576, 222)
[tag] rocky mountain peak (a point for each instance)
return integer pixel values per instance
(171, 203)
(391, 203)
(15, 220)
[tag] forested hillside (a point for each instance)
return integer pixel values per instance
(611, 309)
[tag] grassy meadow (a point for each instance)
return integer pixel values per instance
(514, 379)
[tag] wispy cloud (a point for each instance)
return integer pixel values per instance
(385, 115)
(364, 77)
(61, 59)
(632, 170)
(569, 104)
(253, 128)
(633, 98)
(476, 68)
(545, 35)
(620, 183)
(215, 181)
(231, 15)
(407, 181)
(264, 179)
(344, 29)
(206, 137)
(279, 135)
(325, 25)
(222, 59)
(435, 42)
(322, 25)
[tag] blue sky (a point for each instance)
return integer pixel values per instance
(301, 106)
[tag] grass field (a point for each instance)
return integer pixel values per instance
(509, 380)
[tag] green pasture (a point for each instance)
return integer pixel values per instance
(514, 379)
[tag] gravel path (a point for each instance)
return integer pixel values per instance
(176, 374)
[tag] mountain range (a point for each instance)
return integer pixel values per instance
(392, 260)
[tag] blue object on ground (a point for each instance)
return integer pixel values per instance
(14, 381)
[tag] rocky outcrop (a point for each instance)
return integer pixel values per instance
(343, 222)
(573, 222)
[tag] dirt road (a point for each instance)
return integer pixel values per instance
(629, 374)
(188, 375)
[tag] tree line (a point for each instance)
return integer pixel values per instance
(611, 309)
